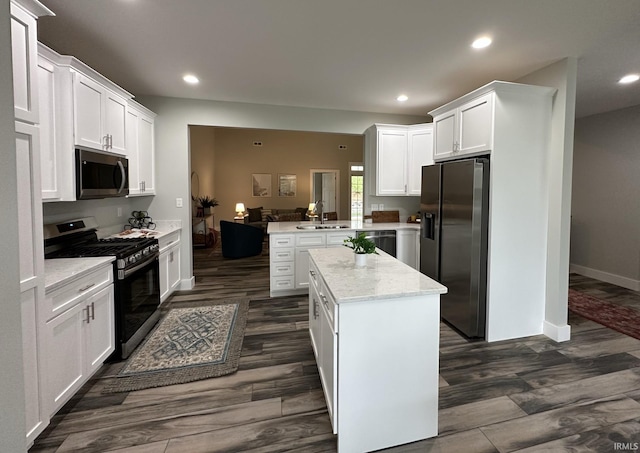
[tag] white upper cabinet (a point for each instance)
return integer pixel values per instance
(79, 107)
(420, 153)
(464, 130)
(394, 156)
(99, 116)
(24, 61)
(140, 149)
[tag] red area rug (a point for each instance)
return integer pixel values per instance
(617, 317)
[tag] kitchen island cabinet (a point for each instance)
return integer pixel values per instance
(375, 335)
(289, 249)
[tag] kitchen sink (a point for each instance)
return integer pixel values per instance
(321, 227)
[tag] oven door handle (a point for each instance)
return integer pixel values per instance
(128, 272)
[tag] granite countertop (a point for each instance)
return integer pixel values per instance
(291, 227)
(384, 277)
(60, 271)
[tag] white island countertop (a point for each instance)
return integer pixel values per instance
(352, 225)
(384, 277)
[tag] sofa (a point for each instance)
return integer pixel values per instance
(239, 240)
(260, 217)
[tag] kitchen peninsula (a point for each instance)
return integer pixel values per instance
(375, 333)
(289, 244)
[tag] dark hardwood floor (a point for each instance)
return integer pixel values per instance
(527, 395)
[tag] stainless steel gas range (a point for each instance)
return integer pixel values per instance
(136, 274)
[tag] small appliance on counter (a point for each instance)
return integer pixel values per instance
(136, 273)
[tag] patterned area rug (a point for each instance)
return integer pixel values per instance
(187, 345)
(617, 317)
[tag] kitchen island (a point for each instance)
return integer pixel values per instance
(375, 334)
(289, 244)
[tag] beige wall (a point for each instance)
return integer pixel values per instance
(202, 139)
(282, 152)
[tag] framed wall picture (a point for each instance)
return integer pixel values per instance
(287, 185)
(261, 185)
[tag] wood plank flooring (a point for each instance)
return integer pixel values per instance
(527, 395)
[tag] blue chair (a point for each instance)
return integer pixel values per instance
(240, 240)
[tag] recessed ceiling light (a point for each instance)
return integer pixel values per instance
(191, 79)
(629, 78)
(481, 43)
(402, 98)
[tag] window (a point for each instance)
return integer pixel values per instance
(356, 179)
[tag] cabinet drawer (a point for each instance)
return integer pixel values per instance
(279, 240)
(168, 240)
(283, 254)
(281, 268)
(67, 296)
(334, 239)
(282, 283)
(310, 240)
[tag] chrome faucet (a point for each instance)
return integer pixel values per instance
(319, 210)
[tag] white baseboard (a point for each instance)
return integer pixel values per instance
(614, 279)
(556, 333)
(187, 283)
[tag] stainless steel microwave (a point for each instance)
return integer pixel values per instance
(101, 175)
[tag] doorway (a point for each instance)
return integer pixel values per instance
(325, 186)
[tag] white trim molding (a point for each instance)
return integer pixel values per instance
(607, 277)
(556, 333)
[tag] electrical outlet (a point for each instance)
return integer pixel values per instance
(178, 202)
(374, 207)
(257, 143)
(342, 146)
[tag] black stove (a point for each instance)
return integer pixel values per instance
(136, 274)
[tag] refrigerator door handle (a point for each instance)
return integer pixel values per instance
(428, 230)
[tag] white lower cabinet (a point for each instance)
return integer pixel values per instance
(78, 340)
(169, 264)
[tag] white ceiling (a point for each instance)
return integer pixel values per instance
(349, 54)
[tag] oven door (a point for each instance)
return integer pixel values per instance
(137, 303)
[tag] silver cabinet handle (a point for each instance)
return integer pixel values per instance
(313, 274)
(315, 308)
(88, 318)
(324, 299)
(93, 310)
(84, 288)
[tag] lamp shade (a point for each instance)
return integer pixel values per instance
(312, 207)
(240, 208)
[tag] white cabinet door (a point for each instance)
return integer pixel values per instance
(48, 145)
(115, 118)
(88, 112)
(302, 267)
(141, 152)
(314, 320)
(146, 154)
(35, 413)
(327, 365)
(164, 275)
(64, 343)
(420, 153)
(174, 267)
(476, 126)
(444, 134)
(100, 116)
(391, 162)
(100, 330)
(24, 60)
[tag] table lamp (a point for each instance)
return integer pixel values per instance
(240, 209)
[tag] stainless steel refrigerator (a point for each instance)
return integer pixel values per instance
(454, 210)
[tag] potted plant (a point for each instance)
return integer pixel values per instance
(207, 203)
(361, 248)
